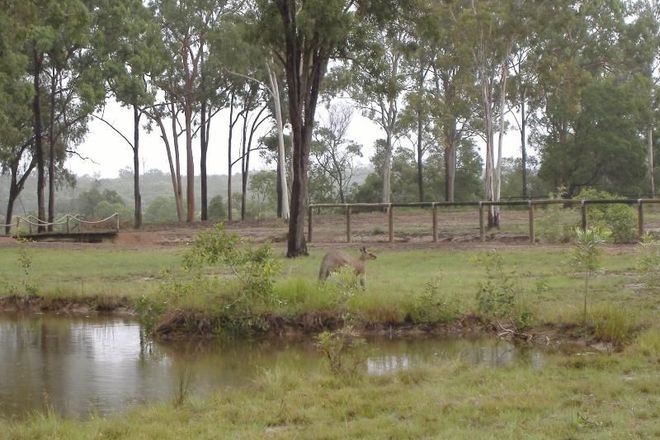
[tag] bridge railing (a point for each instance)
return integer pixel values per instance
(480, 208)
(68, 223)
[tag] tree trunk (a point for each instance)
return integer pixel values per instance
(450, 167)
(229, 162)
(13, 194)
(244, 171)
(523, 144)
(137, 194)
(38, 140)
(420, 152)
(190, 166)
(51, 152)
(203, 144)
(651, 160)
(174, 168)
(387, 169)
(282, 190)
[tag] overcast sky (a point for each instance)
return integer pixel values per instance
(106, 152)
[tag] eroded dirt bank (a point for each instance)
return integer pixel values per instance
(183, 324)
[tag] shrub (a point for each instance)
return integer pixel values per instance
(586, 257)
(619, 221)
(433, 305)
(341, 349)
(499, 296)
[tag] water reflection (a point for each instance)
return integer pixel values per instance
(79, 366)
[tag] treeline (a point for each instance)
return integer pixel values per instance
(577, 80)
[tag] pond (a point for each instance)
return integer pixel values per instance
(103, 365)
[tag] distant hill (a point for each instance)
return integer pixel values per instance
(154, 183)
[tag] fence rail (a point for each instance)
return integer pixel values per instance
(481, 206)
(68, 224)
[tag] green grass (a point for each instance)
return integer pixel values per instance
(585, 396)
(395, 280)
(570, 396)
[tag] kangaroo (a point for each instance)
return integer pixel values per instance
(335, 260)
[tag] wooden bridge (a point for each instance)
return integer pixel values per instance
(66, 228)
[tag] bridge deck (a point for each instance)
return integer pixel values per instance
(82, 237)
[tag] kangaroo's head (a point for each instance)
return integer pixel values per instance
(366, 255)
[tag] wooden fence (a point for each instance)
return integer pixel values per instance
(481, 206)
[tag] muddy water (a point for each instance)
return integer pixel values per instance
(83, 366)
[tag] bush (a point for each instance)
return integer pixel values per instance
(161, 210)
(499, 296)
(433, 305)
(617, 219)
(217, 208)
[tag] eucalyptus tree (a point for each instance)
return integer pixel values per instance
(333, 152)
(450, 92)
(304, 36)
(186, 29)
(16, 143)
(642, 49)
(129, 47)
(489, 32)
(591, 99)
(377, 82)
(56, 37)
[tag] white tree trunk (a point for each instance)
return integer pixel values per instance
(281, 157)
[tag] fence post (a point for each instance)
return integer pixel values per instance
(390, 222)
(117, 218)
(482, 230)
(348, 223)
(583, 209)
(67, 223)
(640, 217)
(435, 222)
(532, 233)
(18, 223)
(309, 223)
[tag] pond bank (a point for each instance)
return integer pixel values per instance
(188, 324)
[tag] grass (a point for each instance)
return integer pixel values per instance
(585, 397)
(396, 280)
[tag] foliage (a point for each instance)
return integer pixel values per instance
(499, 296)
(341, 350)
(648, 262)
(217, 208)
(553, 227)
(254, 267)
(161, 210)
(434, 305)
(24, 261)
(586, 257)
(617, 221)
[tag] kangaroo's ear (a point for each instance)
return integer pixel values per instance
(363, 249)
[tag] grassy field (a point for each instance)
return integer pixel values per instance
(543, 276)
(583, 396)
(588, 394)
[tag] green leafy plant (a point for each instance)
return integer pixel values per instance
(254, 267)
(433, 305)
(499, 296)
(587, 257)
(618, 222)
(648, 263)
(340, 348)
